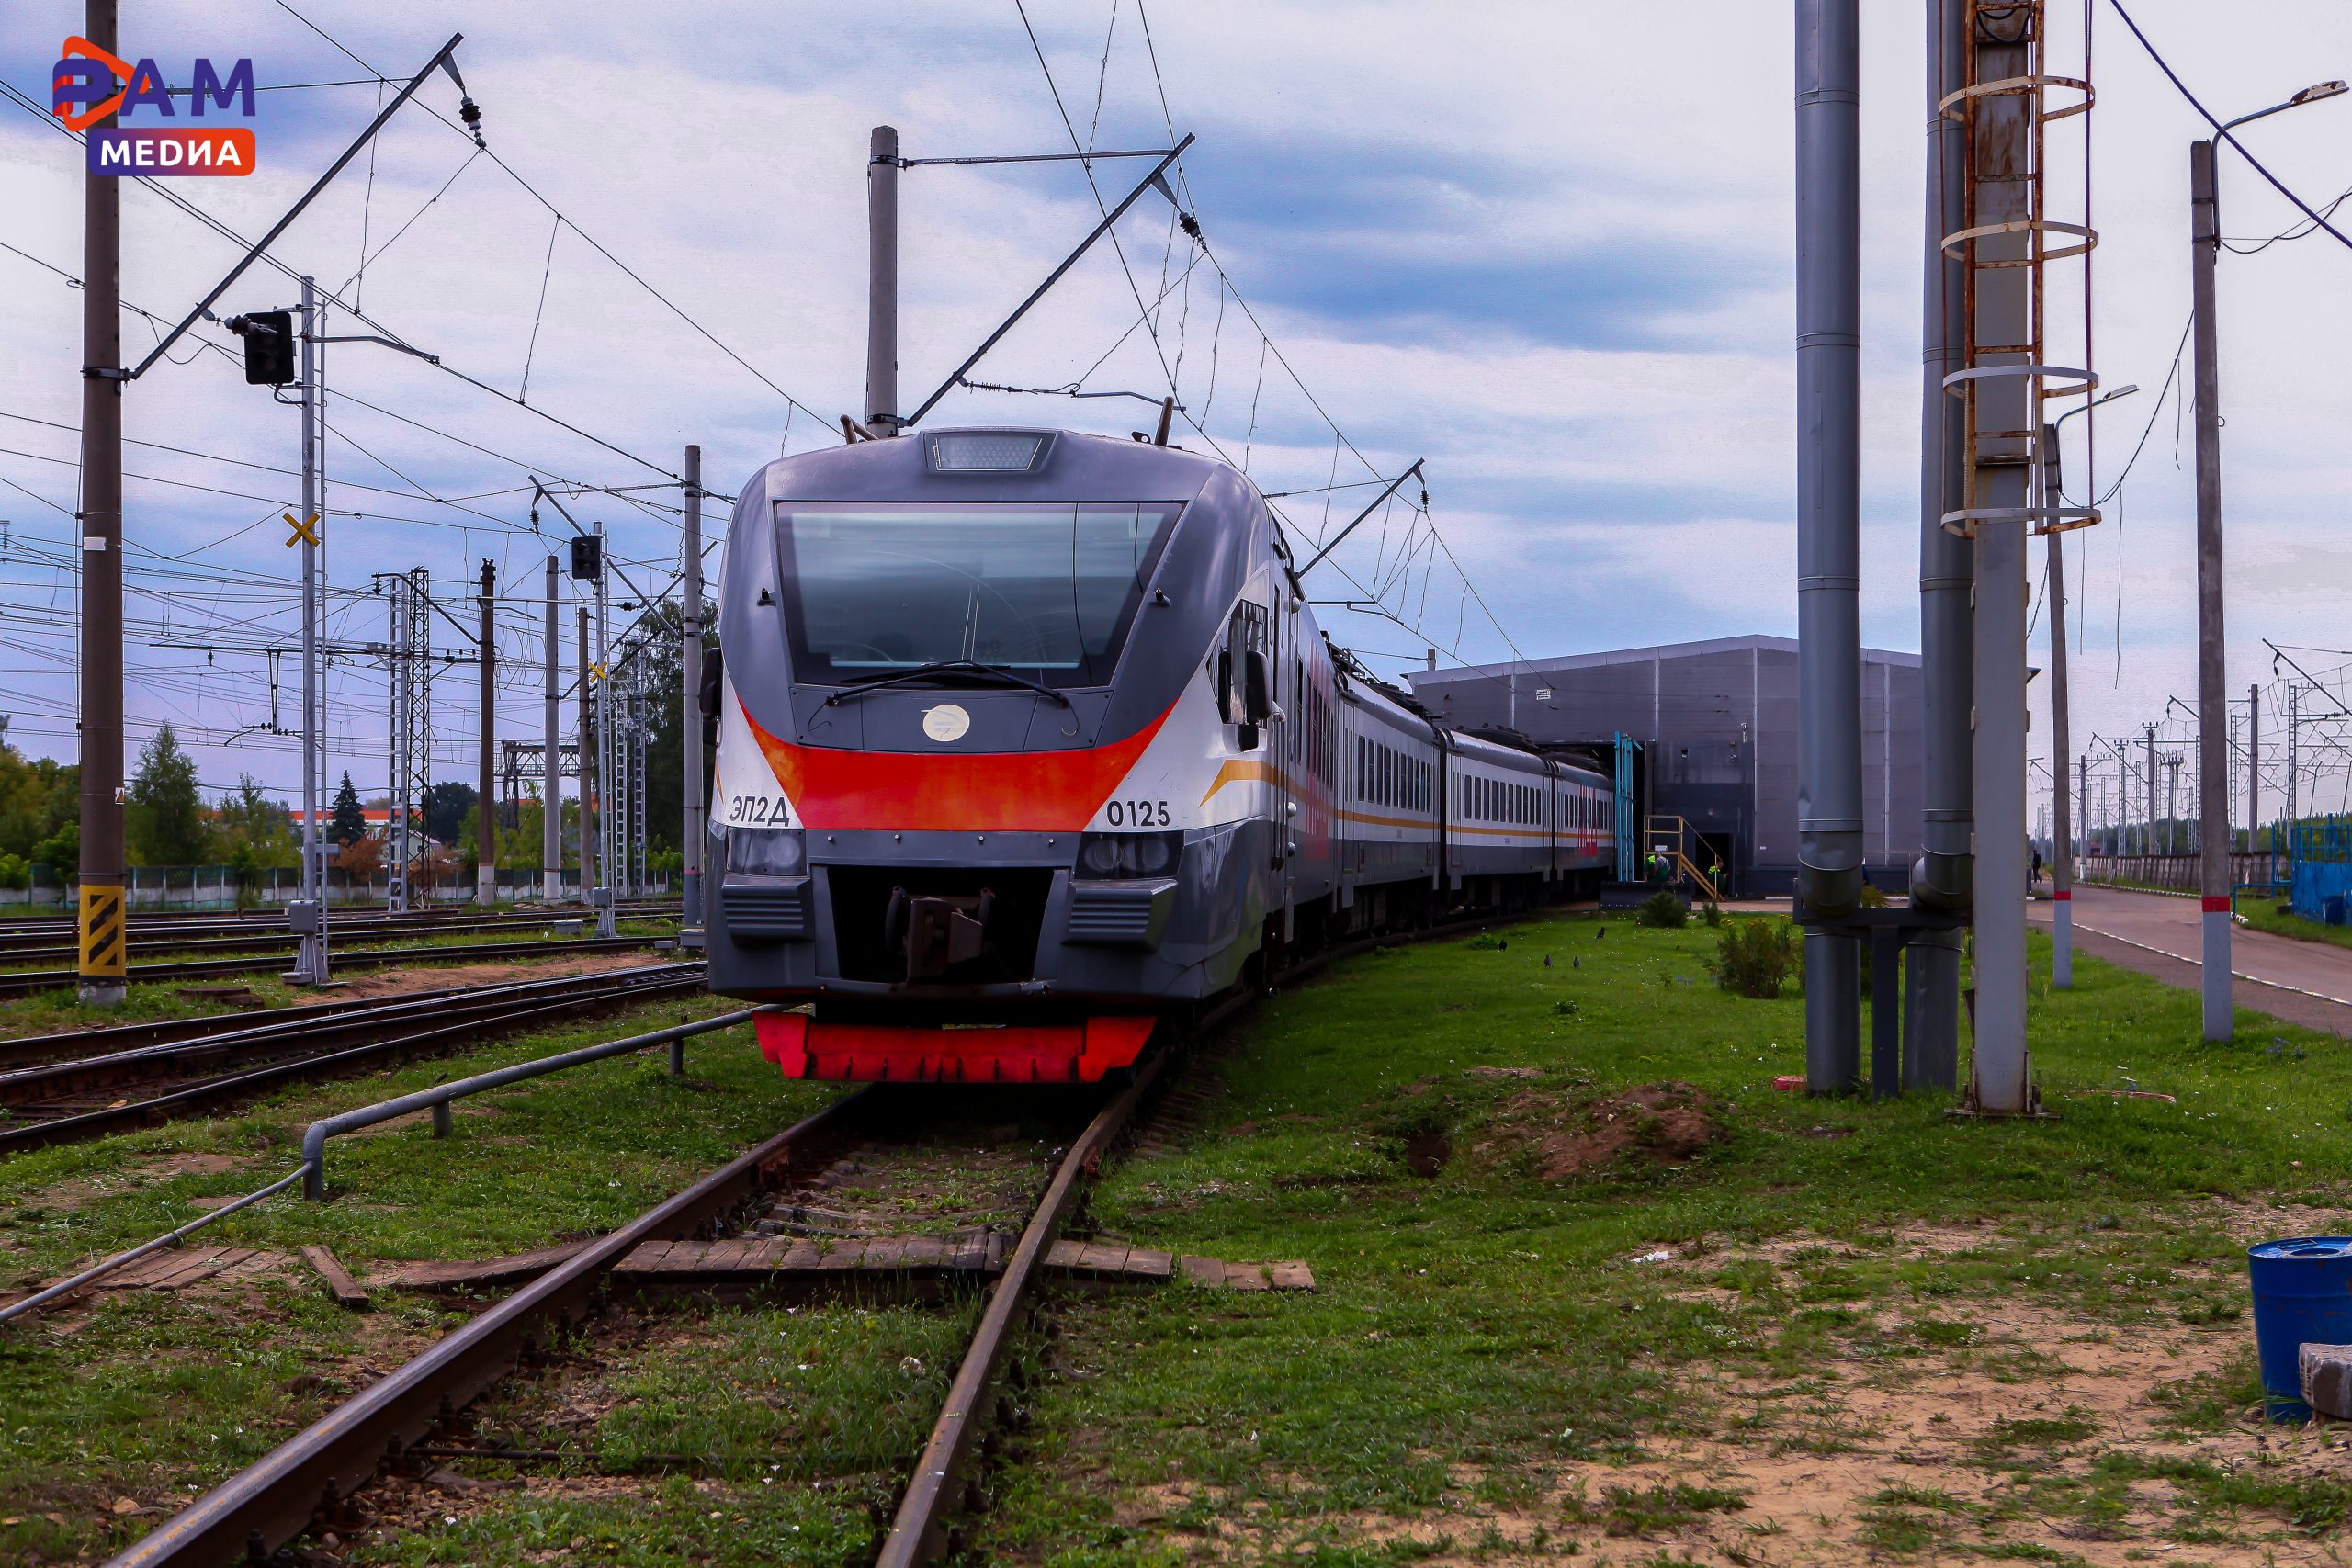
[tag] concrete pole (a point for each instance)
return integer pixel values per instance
(2148, 748)
(1830, 710)
(310, 951)
(486, 806)
(2061, 840)
(104, 944)
(882, 282)
(1942, 880)
(2252, 765)
(588, 827)
(607, 848)
(690, 709)
(2004, 412)
(2083, 798)
(551, 765)
(2213, 696)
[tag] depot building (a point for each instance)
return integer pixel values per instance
(1716, 722)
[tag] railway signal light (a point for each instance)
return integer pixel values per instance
(269, 346)
(587, 557)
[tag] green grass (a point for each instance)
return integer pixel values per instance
(2262, 914)
(153, 1394)
(1491, 1321)
(1484, 1347)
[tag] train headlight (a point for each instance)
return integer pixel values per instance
(1129, 854)
(766, 851)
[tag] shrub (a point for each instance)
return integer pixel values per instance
(16, 872)
(1873, 896)
(1713, 914)
(1663, 910)
(1755, 957)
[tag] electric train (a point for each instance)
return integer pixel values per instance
(1027, 739)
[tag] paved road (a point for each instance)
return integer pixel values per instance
(2303, 982)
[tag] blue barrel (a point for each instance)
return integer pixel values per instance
(2302, 1295)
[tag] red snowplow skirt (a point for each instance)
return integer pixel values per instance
(803, 1047)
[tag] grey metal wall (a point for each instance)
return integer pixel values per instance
(1720, 720)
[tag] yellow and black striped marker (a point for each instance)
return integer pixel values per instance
(105, 953)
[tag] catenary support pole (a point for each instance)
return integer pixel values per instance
(587, 742)
(689, 708)
(607, 823)
(103, 943)
(486, 807)
(2253, 766)
(882, 282)
(2062, 833)
(2148, 749)
(551, 764)
(1940, 880)
(311, 921)
(2003, 416)
(1830, 784)
(2213, 698)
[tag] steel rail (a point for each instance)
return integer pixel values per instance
(232, 1030)
(21, 947)
(124, 1038)
(917, 1534)
(274, 1499)
(37, 1135)
(26, 982)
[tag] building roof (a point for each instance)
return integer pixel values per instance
(1703, 648)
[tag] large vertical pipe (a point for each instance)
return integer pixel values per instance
(551, 765)
(2213, 698)
(882, 282)
(689, 708)
(2061, 835)
(1941, 879)
(103, 943)
(1829, 678)
(486, 764)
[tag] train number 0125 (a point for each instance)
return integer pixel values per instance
(1136, 813)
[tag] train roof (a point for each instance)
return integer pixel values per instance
(1004, 463)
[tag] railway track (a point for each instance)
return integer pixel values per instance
(274, 917)
(25, 947)
(89, 1095)
(25, 982)
(311, 1481)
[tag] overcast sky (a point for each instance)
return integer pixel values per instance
(1546, 247)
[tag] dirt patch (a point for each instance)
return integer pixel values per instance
(1564, 1134)
(436, 977)
(143, 1170)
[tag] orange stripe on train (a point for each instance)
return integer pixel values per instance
(961, 792)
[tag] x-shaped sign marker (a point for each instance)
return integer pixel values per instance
(304, 532)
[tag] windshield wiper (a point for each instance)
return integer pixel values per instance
(965, 669)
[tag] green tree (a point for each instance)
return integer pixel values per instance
(251, 830)
(347, 823)
(164, 812)
(37, 798)
(449, 810)
(519, 847)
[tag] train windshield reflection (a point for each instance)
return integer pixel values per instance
(1047, 589)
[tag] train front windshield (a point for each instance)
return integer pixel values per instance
(1047, 590)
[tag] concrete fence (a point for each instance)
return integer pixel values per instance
(2176, 872)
